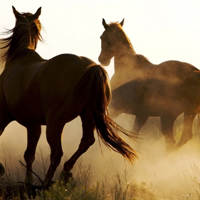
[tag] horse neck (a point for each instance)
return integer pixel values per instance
(125, 57)
(128, 66)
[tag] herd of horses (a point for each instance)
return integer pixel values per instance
(35, 92)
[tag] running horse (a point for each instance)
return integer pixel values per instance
(145, 89)
(36, 92)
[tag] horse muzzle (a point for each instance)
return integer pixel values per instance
(103, 60)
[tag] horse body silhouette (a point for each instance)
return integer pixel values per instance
(36, 92)
(144, 89)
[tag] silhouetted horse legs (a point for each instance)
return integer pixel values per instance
(5, 116)
(167, 123)
(87, 140)
(53, 132)
(113, 111)
(187, 132)
(140, 120)
(5, 119)
(33, 135)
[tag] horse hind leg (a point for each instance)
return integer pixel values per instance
(139, 123)
(53, 132)
(87, 140)
(167, 123)
(187, 132)
(114, 111)
(33, 136)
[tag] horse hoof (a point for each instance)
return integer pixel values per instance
(2, 170)
(66, 176)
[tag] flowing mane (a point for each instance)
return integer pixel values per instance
(119, 33)
(142, 59)
(19, 40)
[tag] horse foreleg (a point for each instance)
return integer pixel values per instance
(113, 111)
(53, 132)
(139, 123)
(86, 141)
(187, 132)
(33, 136)
(5, 119)
(167, 123)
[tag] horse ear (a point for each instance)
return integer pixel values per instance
(104, 23)
(38, 13)
(122, 22)
(16, 13)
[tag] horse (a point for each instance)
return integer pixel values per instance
(152, 88)
(35, 92)
(144, 98)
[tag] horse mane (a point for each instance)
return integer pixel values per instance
(23, 36)
(142, 59)
(120, 33)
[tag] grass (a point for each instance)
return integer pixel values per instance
(78, 188)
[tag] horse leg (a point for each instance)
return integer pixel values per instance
(5, 119)
(2, 127)
(167, 123)
(113, 111)
(53, 132)
(140, 120)
(187, 132)
(34, 133)
(87, 140)
(3, 123)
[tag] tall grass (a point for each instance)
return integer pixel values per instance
(80, 187)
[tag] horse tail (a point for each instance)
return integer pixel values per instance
(95, 81)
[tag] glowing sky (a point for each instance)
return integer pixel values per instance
(159, 29)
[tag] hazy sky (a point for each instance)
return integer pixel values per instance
(159, 29)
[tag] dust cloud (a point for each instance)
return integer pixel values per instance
(174, 176)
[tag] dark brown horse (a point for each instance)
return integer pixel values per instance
(36, 92)
(144, 89)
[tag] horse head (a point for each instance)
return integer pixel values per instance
(32, 20)
(24, 35)
(110, 40)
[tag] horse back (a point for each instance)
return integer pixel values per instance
(43, 88)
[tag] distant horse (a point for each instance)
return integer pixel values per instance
(36, 92)
(164, 90)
